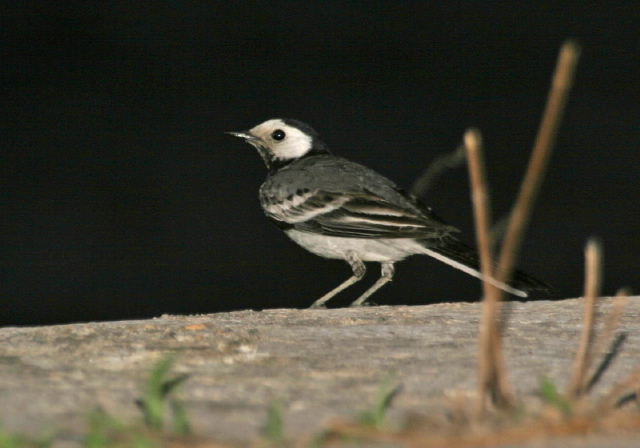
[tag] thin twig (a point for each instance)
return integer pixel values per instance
(606, 335)
(498, 229)
(558, 95)
(429, 176)
(613, 397)
(613, 319)
(491, 370)
(593, 281)
(605, 362)
(481, 204)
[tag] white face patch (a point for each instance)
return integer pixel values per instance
(295, 143)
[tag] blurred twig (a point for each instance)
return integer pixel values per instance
(498, 229)
(610, 326)
(491, 370)
(593, 281)
(629, 384)
(607, 359)
(492, 378)
(558, 95)
(431, 174)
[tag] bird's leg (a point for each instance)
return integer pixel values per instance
(387, 271)
(358, 268)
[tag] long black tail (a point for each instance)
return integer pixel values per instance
(457, 254)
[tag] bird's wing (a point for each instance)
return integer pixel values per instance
(359, 214)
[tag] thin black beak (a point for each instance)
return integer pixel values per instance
(245, 136)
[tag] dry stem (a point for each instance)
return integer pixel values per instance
(606, 337)
(491, 373)
(491, 370)
(629, 384)
(593, 280)
(558, 95)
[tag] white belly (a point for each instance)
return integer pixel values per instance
(379, 250)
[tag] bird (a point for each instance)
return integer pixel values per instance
(339, 209)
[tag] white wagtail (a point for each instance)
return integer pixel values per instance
(335, 208)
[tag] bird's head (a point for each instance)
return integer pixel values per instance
(281, 141)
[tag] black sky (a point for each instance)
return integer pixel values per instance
(122, 197)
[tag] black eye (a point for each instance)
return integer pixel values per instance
(278, 134)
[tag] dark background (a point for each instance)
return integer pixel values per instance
(122, 198)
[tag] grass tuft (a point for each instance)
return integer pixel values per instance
(376, 416)
(552, 397)
(273, 429)
(10, 439)
(158, 398)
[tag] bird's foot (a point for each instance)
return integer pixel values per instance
(316, 306)
(359, 305)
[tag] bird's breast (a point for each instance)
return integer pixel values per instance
(378, 250)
